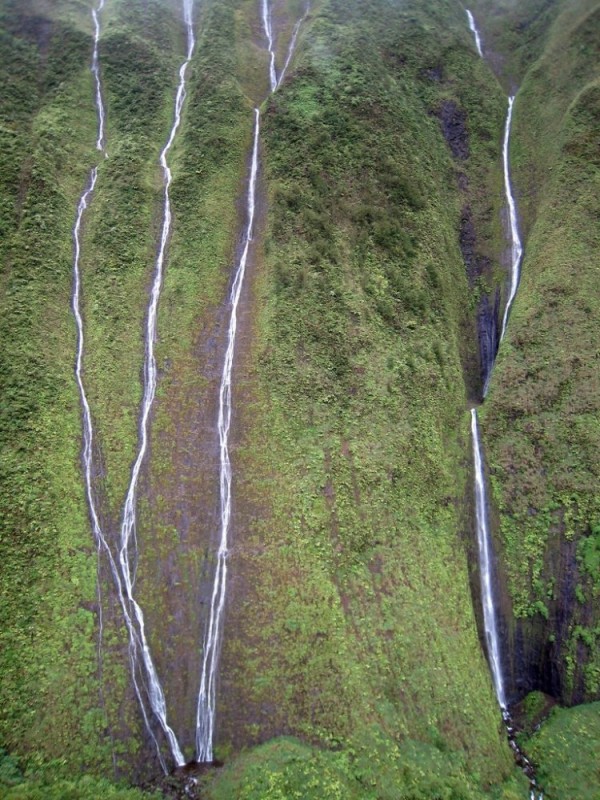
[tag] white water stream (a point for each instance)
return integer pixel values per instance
(205, 716)
(128, 524)
(486, 567)
(144, 674)
(473, 28)
(96, 74)
(88, 433)
(516, 246)
(142, 665)
(266, 18)
(292, 45)
(206, 709)
(488, 601)
(484, 541)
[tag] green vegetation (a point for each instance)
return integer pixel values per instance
(53, 684)
(48, 784)
(540, 423)
(565, 751)
(47, 628)
(286, 769)
(177, 508)
(356, 605)
(351, 663)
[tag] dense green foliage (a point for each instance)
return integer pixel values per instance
(543, 407)
(47, 628)
(351, 663)
(355, 434)
(286, 769)
(566, 753)
(49, 784)
(52, 691)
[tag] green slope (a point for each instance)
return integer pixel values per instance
(351, 603)
(351, 663)
(540, 423)
(55, 700)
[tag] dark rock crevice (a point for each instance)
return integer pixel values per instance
(453, 123)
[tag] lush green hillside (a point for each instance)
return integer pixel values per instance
(48, 626)
(351, 664)
(566, 750)
(354, 449)
(541, 419)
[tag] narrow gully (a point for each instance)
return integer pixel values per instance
(87, 425)
(484, 540)
(128, 540)
(516, 246)
(206, 707)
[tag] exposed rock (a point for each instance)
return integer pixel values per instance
(488, 311)
(488, 331)
(434, 74)
(453, 120)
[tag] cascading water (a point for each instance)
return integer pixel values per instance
(484, 541)
(266, 18)
(88, 432)
(206, 709)
(128, 540)
(206, 698)
(485, 567)
(96, 74)
(292, 45)
(516, 246)
(143, 671)
(473, 28)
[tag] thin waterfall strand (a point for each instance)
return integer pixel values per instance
(88, 432)
(485, 567)
(205, 719)
(473, 28)
(96, 74)
(266, 16)
(128, 525)
(481, 504)
(206, 709)
(292, 46)
(516, 246)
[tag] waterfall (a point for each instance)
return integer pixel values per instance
(292, 45)
(473, 28)
(516, 246)
(485, 566)
(96, 74)
(205, 716)
(484, 541)
(135, 635)
(129, 518)
(266, 17)
(206, 708)
(144, 674)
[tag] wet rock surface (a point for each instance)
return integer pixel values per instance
(488, 332)
(183, 783)
(536, 645)
(488, 309)
(453, 121)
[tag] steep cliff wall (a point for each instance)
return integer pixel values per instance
(350, 621)
(541, 420)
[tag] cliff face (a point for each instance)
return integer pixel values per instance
(540, 420)
(366, 328)
(353, 598)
